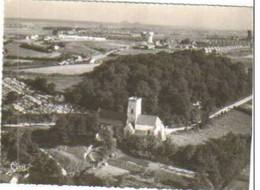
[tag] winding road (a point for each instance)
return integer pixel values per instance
(231, 106)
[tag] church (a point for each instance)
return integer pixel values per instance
(139, 124)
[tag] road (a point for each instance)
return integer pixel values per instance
(232, 106)
(218, 113)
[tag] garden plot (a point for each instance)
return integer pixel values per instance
(149, 174)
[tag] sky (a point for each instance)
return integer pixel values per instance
(208, 17)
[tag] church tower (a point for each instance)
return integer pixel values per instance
(134, 109)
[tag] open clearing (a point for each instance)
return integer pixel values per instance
(63, 69)
(234, 121)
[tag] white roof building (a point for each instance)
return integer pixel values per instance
(140, 124)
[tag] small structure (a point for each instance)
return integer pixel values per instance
(140, 124)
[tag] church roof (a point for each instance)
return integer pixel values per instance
(146, 120)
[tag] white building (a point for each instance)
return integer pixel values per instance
(150, 37)
(140, 124)
(80, 38)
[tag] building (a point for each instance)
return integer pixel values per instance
(249, 34)
(150, 37)
(140, 124)
(80, 38)
(147, 37)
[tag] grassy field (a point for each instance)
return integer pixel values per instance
(234, 121)
(14, 49)
(78, 48)
(246, 60)
(63, 82)
(76, 69)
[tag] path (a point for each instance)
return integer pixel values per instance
(232, 106)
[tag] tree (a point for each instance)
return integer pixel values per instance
(108, 141)
(44, 170)
(76, 128)
(11, 97)
(41, 84)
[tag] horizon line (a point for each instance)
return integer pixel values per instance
(130, 23)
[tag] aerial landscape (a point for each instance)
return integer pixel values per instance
(125, 102)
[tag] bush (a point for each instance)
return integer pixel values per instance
(41, 84)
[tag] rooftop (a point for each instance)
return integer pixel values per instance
(146, 120)
(134, 98)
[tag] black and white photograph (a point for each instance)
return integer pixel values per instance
(127, 95)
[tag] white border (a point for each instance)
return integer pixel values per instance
(248, 3)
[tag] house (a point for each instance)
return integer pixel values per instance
(140, 124)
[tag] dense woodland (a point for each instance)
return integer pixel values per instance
(217, 161)
(169, 84)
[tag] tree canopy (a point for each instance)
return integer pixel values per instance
(169, 84)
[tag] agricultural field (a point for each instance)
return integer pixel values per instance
(234, 121)
(134, 172)
(78, 48)
(14, 49)
(76, 69)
